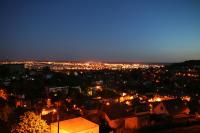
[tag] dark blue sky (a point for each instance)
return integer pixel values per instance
(106, 30)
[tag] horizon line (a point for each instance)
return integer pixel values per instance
(93, 61)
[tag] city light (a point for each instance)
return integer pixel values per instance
(60, 66)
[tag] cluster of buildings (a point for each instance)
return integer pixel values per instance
(119, 101)
(61, 66)
(128, 112)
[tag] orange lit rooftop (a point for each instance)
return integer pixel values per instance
(75, 125)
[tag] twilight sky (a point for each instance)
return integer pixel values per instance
(100, 30)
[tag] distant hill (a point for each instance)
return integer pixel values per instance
(186, 64)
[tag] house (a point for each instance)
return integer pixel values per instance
(171, 108)
(121, 117)
(142, 108)
(75, 125)
(137, 121)
(63, 89)
(115, 114)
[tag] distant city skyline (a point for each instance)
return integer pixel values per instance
(100, 30)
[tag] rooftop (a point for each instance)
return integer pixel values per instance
(74, 125)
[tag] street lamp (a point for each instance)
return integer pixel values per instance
(58, 116)
(45, 112)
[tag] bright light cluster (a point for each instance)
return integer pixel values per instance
(158, 98)
(59, 66)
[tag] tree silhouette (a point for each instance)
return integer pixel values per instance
(31, 123)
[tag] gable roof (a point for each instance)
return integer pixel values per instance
(175, 106)
(141, 108)
(116, 111)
